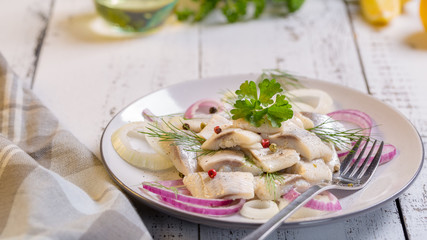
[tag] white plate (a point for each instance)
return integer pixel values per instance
(388, 183)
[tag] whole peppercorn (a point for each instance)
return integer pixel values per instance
(265, 143)
(213, 110)
(186, 126)
(273, 147)
(212, 173)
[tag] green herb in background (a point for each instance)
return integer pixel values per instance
(233, 10)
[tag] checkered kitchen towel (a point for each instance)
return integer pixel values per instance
(51, 186)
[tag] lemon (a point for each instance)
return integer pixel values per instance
(423, 13)
(380, 11)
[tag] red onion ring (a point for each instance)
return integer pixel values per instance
(184, 197)
(202, 107)
(389, 152)
(148, 115)
(216, 211)
(332, 205)
(357, 117)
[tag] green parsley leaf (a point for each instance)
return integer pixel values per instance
(247, 90)
(270, 107)
(267, 90)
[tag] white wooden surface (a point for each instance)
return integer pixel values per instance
(85, 78)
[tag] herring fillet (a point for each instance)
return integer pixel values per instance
(221, 159)
(304, 142)
(273, 189)
(228, 185)
(184, 161)
(274, 161)
(232, 137)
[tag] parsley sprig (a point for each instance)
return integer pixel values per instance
(269, 106)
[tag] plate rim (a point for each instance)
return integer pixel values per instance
(217, 222)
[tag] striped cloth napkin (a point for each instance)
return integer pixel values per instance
(52, 186)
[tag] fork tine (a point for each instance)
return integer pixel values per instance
(347, 160)
(365, 162)
(354, 166)
(374, 164)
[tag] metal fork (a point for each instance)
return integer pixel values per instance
(352, 176)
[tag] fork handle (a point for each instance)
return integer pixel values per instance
(265, 229)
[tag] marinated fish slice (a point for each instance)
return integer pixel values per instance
(313, 171)
(303, 121)
(274, 161)
(268, 188)
(183, 160)
(247, 167)
(228, 161)
(216, 120)
(232, 137)
(304, 142)
(228, 185)
(334, 164)
(222, 159)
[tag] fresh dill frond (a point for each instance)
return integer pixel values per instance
(341, 138)
(287, 80)
(188, 139)
(228, 99)
(271, 179)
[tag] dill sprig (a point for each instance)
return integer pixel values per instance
(341, 138)
(188, 139)
(287, 80)
(271, 179)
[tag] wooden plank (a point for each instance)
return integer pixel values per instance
(308, 42)
(395, 63)
(23, 27)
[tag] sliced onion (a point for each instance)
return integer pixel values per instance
(312, 100)
(185, 198)
(215, 211)
(324, 201)
(171, 183)
(148, 115)
(259, 209)
(356, 117)
(389, 152)
(201, 108)
(136, 149)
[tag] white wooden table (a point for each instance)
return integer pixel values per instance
(86, 78)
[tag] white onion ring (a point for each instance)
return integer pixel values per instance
(311, 100)
(138, 149)
(259, 209)
(202, 107)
